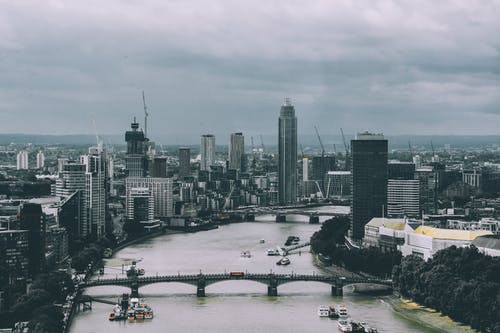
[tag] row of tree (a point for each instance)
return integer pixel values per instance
(37, 306)
(459, 282)
(329, 241)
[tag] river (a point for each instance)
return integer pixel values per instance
(232, 306)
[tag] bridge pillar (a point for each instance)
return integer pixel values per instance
(280, 218)
(134, 290)
(272, 288)
(200, 289)
(337, 290)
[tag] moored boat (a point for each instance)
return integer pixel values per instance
(343, 311)
(272, 252)
(112, 316)
(344, 326)
(323, 311)
(333, 313)
(283, 261)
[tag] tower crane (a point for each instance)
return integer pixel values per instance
(411, 150)
(320, 142)
(345, 142)
(262, 143)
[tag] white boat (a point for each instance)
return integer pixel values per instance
(283, 261)
(324, 311)
(272, 252)
(343, 311)
(344, 326)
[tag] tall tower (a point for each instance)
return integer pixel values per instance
(236, 150)
(95, 163)
(184, 162)
(369, 180)
(40, 160)
(135, 160)
(207, 150)
(287, 164)
(22, 160)
(31, 218)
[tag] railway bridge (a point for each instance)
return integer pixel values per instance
(200, 281)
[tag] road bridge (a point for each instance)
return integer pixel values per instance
(200, 281)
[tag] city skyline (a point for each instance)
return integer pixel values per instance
(349, 64)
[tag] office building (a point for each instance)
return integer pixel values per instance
(96, 172)
(401, 170)
(305, 169)
(338, 184)
(158, 167)
(207, 150)
(236, 151)
(135, 159)
(184, 162)
(287, 154)
(161, 191)
(14, 255)
(31, 218)
(403, 198)
(369, 180)
(428, 189)
(40, 160)
(22, 160)
(140, 205)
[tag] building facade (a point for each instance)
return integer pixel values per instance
(40, 160)
(236, 151)
(287, 154)
(369, 180)
(207, 150)
(135, 159)
(184, 162)
(403, 198)
(22, 160)
(161, 191)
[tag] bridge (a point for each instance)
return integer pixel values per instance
(200, 281)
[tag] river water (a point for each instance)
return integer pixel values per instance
(232, 306)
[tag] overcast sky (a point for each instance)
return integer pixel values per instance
(418, 67)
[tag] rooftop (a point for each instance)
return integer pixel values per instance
(452, 234)
(395, 224)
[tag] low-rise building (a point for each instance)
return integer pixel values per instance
(385, 233)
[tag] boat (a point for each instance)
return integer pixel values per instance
(131, 314)
(292, 240)
(367, 328)
(342, 311)
(283, 261)
(262, 241)
(139, 314)
(273, 252)
(323, 311)
(112, 316)
(148, 314)
(332, 312)
(246, 254)
(344, 326)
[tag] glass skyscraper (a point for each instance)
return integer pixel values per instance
(287, 164)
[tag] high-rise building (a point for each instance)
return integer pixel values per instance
(22, 160)
(135, 159)
(40, 160)
(140, 206)
(401, 170)
(320, 167)
(305, 169)
(158, 167)
(161, 191)
(71, 186)
(96, 175)
(428, 188)
(31, 218)
(287, 154)
(403, 198)
(338, 184)
(369, 180)
(14, 255)
(236, 151)
(207, 149)
(184, 162)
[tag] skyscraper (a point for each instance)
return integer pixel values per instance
(40, 160)
(161, 191)
(95, 163)
(287, 154)
(369, 180)
(135, 160)
(184, 162)
(31, 218)
(207, 149)
(22, 160)
(236, 151)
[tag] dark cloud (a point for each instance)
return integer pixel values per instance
(220, 66)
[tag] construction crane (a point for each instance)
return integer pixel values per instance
(345, 142)
(335, 148)
(253, 148)
(411, 150)
(262, 143)
(302, 151)
(146, 114)
(432, 146)
(320, 142)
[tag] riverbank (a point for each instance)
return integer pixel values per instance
(425, 316)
